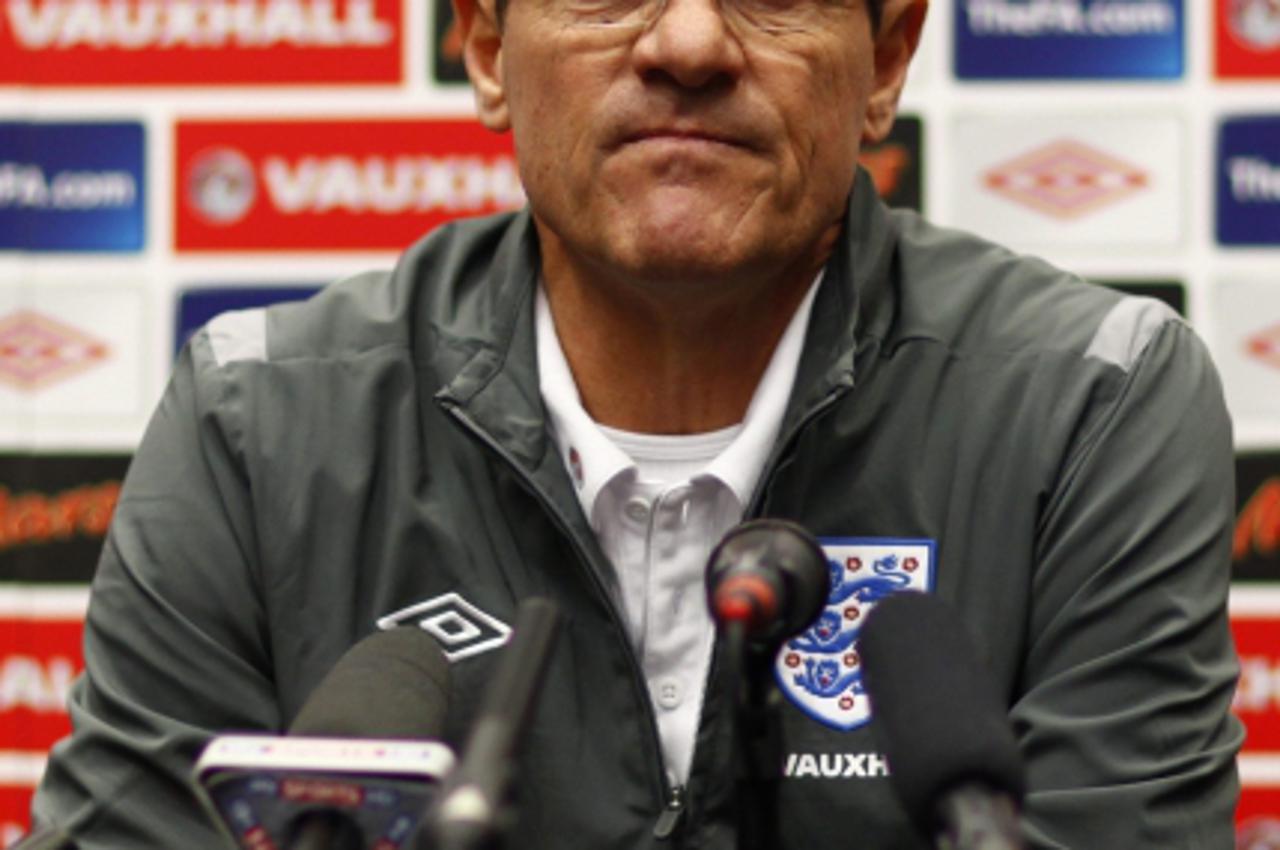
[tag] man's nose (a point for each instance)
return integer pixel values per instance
(692, 42)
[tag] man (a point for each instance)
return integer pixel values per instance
(705, 314)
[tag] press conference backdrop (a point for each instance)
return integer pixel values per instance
(169, 161)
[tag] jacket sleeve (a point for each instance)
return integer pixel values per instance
(1124, 713)
(175, 640)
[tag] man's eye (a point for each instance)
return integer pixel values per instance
(604, 11)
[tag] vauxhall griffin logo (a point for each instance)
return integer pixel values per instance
(1256, 23)
(461, 629)
(222, 186)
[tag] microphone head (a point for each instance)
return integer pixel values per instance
(770, 574)
(392, 684)
(939, 711)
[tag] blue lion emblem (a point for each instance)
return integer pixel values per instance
(823, 678)
(887, 579)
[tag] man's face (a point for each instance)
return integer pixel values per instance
(697, 148)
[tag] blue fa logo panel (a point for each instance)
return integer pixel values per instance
(1248, 206)
(72, 186)
(1069, 39)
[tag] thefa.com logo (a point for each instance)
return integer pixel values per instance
(326, 185)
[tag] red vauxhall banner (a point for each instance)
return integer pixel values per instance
(354, 184)
(40, 655)
(40, 633)
(1258, 818)
(1255, 623)
(200, 42)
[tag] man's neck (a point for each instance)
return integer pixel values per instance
(669, 359)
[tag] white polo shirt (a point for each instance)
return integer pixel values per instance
(659, 504)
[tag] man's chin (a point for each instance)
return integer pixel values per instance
(690, 263)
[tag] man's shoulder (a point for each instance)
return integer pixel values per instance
(436, 288)
(975, 296)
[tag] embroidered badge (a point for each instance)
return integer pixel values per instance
(819, 670)
(461, 629)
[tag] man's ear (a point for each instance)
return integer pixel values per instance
(481, 35)
(900, 24)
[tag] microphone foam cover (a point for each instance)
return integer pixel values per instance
(939, 711)
(392, 684)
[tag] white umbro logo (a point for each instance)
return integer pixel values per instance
(462, 629)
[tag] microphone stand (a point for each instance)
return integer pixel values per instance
(757, 724)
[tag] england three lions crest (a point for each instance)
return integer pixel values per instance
(819, 670)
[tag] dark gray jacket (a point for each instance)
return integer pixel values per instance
(317, 466)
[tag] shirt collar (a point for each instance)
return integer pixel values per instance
(591, 458)
(594, 461)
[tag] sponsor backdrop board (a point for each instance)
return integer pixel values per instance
(1069, 39)
(73, 358)
(180, 42)
(71, 186)
(1248, 209)
(1255, 553)
(896, 166)
(1247, 40)
(1247, 346)
(1257, 700)
(334, 184)
(1076, 181)
(161, 162)
(54, 511)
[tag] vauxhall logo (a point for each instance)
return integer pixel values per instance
(835, 766)
(183, 23)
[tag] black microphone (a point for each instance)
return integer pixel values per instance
(767, 580)
(392, 684)
(952, 756)
(473, 808)
(770, 576)
(353, 771)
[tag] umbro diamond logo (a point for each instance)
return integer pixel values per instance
(461, 629)
(1067, 179)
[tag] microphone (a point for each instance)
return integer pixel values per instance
(359, 786)
(771, 577)
(953, 758)
(392, 684)
(767, 580)
(472, 810)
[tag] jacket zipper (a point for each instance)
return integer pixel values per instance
(672, 795)
(670, 817)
